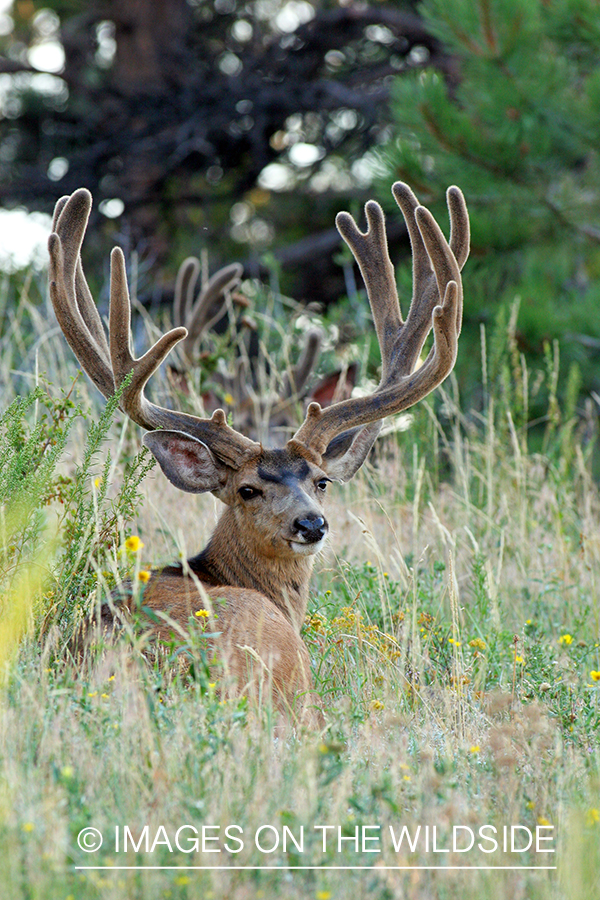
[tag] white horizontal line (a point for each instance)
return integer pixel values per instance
(312, 868)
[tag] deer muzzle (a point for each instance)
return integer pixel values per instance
(311, 529)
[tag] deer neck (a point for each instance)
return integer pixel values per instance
(230, 559)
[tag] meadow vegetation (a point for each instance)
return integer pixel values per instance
(454, 630)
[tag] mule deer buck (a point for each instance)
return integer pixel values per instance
(255, 571)
(269, 414)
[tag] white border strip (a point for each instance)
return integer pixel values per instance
(307, 868)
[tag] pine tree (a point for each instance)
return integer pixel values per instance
(517, 127)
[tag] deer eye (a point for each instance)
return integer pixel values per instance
(247, 493)
(322, 484)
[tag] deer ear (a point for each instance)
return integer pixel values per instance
(347, 452)
(186, 461)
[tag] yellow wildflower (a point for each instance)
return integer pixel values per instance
(377, 704)
(542, 820)
(92, 693)
(28, 826)
(475, 749)
(133, 543)
(228, 399)
(201, 613)
(477, 643)
(595, 676)
(143, 576)
(565, 639)
(323, 895)
(518, 659)
(592, 816)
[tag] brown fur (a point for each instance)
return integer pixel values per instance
(256, 643)
(258, 621)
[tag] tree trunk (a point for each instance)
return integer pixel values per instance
(150, 37)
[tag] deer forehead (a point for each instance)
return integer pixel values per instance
(280, 467)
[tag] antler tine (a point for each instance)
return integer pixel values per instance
(399, 387)
(85, 301)
(185, 285)
(211, 299)
(370, 250)
(133, 401)
(73, 305)
(425, 292)
(295, 381)
(237, 384)
(109, 364)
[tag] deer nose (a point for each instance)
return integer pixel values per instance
(312, 528)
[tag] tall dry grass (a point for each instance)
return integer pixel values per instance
(454, 630)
